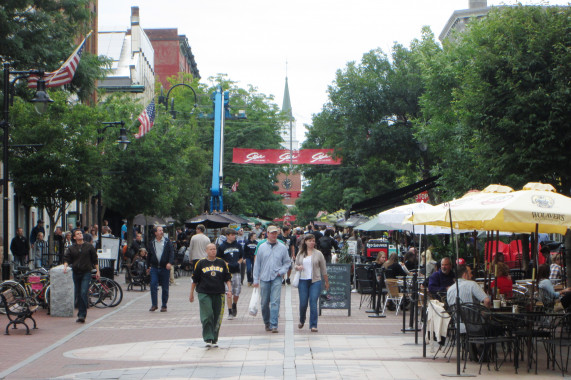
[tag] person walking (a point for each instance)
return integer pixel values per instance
(82, 257)
(160, 258)
(249, 255)
(198, 244)
(271, 265)
(20, 248)
(209, 277)
(231, 252)
(311, 263)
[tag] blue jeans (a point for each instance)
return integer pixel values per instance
(270, 292)
(81, 283)
(160, 276)
(308, 292)
(249, 266)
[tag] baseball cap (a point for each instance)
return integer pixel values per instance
(460, 261)
(273, 229)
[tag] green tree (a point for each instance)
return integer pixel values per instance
(368, 121)
(497, 100)
(56, 170)
(260, 130)
(43, 34)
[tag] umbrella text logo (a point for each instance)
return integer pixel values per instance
(548, 217)
(542, 201)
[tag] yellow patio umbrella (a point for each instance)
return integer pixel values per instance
(537, 207)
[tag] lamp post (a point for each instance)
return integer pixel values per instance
(123, 141)
(165, 99)
(40, 100)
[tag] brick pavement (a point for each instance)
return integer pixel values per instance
(129, 342)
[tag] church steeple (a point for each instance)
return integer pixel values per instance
(286, 106)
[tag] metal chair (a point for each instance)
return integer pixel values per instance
(481, 330)
(393, 294)
(364, 284)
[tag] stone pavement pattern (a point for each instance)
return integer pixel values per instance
(129, 342)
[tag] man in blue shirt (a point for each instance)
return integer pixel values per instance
(271, 265)
(440, 281)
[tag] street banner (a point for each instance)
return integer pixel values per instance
(283, 157)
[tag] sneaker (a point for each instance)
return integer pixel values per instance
(268, 328)
(288, 281)
(214, 344)
(275, 330)
(230, 315)
(234, 310)
(208, 344)
(80, 320)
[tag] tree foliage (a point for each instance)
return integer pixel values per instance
(495, 108)
(368, 121)
(43, 34)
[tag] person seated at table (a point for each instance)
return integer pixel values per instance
(410, 260)
(427, 263)
(505, 283)
(555, 270)
(498, 258)
(440, 281)
(469, 290)
(381, 259)
(547, 293)
(393, 267)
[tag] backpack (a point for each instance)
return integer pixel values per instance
(325, 243)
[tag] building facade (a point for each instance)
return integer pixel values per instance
(133, 66)
(173, 55)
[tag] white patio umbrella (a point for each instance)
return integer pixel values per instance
(396, 218)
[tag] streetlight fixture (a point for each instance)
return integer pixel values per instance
(41, 101)
(123, 141)
(165, 99)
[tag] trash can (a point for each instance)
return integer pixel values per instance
(107, 268)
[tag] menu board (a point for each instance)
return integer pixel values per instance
(339, 294)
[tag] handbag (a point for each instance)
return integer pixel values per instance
(253, 307)
(295, 282)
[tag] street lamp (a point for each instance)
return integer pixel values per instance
(123, 141)
(165, 99)
(41, 101)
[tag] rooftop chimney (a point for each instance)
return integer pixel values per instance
(135, 15)
(478, 4)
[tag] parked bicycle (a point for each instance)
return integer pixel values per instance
(104, 292)
(33, 285)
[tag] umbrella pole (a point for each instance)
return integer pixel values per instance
(458, 347)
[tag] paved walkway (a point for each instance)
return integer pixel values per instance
(129, 342)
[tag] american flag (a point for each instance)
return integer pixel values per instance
(147, 119)
(64, 74)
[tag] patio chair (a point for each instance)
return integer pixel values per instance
(561, 340)
(393, 294)
(364, 284)
(480, 330)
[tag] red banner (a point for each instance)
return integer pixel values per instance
(282, 156)
(289, 194)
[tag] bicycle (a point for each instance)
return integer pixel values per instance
(104, 292)
(34, 285)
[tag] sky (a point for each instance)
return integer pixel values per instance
(251, 40)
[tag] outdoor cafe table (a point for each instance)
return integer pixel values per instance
(525, 326)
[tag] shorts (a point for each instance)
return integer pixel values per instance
(236, 284)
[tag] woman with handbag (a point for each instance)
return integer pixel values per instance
(311, 268)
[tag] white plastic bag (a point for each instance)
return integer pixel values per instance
(254, 301)
(295, 282)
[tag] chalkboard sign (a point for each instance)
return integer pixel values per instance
(339, 294)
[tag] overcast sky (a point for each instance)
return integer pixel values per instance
(251, 40)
